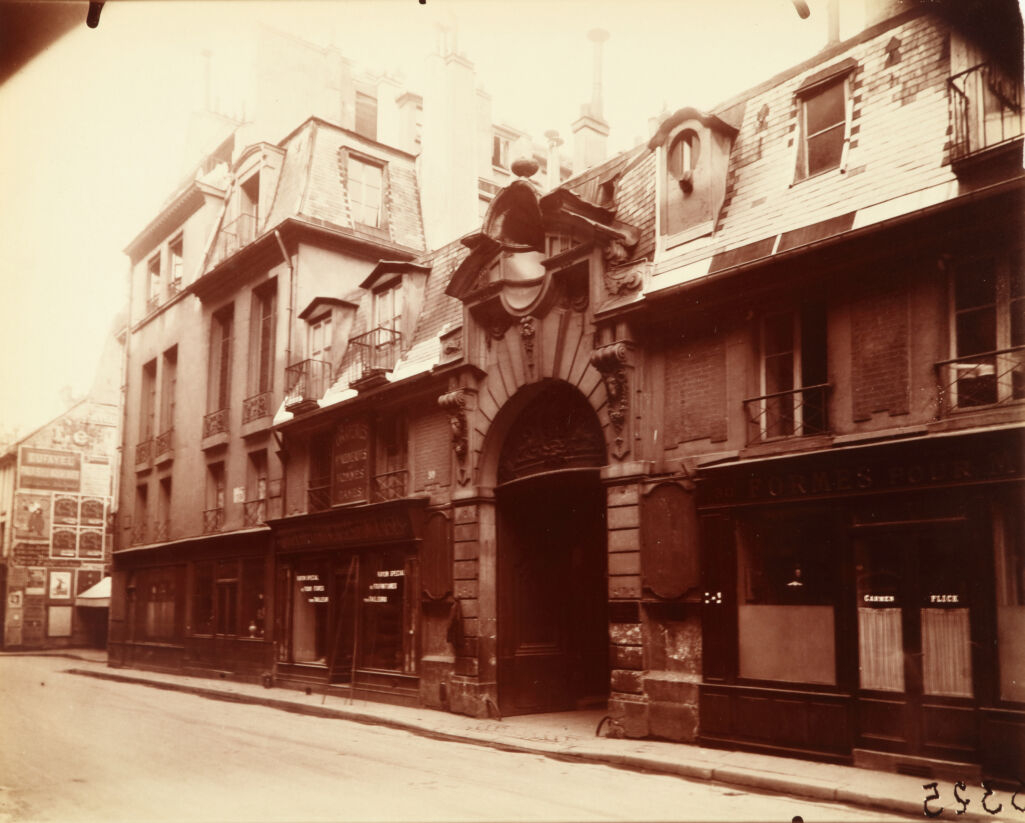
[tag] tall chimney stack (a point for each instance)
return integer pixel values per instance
(590, 131)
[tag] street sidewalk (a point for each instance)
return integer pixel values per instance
(572, 736)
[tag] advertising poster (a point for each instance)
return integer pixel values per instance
(60, 585)
(65, 542)
(31, 516)
(96, 475)
(90, 543)
(36, 583)
(49, 469)
(65, 509)
(92, 511)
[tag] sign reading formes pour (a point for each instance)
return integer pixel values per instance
(350, 463)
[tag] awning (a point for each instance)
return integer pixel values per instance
(96, 596)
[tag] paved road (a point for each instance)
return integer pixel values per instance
(79, 749)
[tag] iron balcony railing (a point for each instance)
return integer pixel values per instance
(235, 235)
(373, 353)
(306, 382)
(163, 530)
(255, 407)
(215, 423)
(796, 413)
(255, 513)
(139, 534)
(164, 444)
(389, 486)
(174, 287)
(318, 497)
(144, 452)
(152, 303)
(985, 109)
(213, 520)
(984, 379)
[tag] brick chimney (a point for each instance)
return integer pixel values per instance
(590, 131)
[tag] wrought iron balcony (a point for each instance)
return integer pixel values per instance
(213, 520)
(389, 486)
(982, 379)
(985, 110)
(797, 413)
(152, 303)
(163, 530)
(233, 236)
(255, 513)
(255, 407)
(318, 498)
(144, 453)
(140, 533)
(215, 423)
(373, 354)
(174, 287)
(305, 383)
(164, 445)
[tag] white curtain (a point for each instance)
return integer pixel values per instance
(946, 652)
(880, 649)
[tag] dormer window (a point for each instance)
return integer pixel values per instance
(825, 115)
(683, 158)
(824, 121)
(388, 307)
(366, 183)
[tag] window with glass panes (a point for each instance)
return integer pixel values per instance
(823, 128)
(988, 331)
(262, 321)
(365, 182)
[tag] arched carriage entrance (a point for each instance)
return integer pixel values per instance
(552, 566)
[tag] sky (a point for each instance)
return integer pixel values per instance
(92, 131)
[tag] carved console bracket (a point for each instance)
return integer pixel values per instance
(455, 404)
(612, 362)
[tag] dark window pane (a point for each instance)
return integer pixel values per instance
(825, 150)
(203, 599)
(381, 625)
(975, 285)
(1018, 322)
(825, 109)
(779, 373)
(976, 332)
(254, 613)
(779, 334)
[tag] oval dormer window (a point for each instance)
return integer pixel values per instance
(683, 158)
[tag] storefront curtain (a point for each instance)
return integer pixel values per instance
(946, 652)
(880, 650)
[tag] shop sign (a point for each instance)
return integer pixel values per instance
(49, 469)
(371, 527)
(312, 587)
(380, 591)
(350, 460)
(833, 474)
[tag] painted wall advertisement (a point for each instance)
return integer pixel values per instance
(49, 469)
(350, 460)
(31, 516)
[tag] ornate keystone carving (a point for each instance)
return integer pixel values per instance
(454, 404)
(611, 361)
(527, 333)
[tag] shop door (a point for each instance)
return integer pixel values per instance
(552, 599)
(914, 622)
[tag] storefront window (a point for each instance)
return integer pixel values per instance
(254, 611)
(203, 599)
(387, 631)
(1010, 569)
(310, 602)
(156, 591)
(788, 589)
(227, 597)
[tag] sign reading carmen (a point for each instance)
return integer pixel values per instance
(350, 458)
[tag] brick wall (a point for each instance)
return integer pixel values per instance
(696, 391)
(431, 444)
(879, 349)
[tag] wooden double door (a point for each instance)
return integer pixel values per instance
(552, 594)
(917, 603)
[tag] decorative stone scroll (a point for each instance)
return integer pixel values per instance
(454, 403)
(612, 361)
(528, 333)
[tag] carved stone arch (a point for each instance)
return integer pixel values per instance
(537, 398)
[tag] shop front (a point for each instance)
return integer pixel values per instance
(866, 604)
(348, 595)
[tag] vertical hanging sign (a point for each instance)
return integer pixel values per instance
(350, 463)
